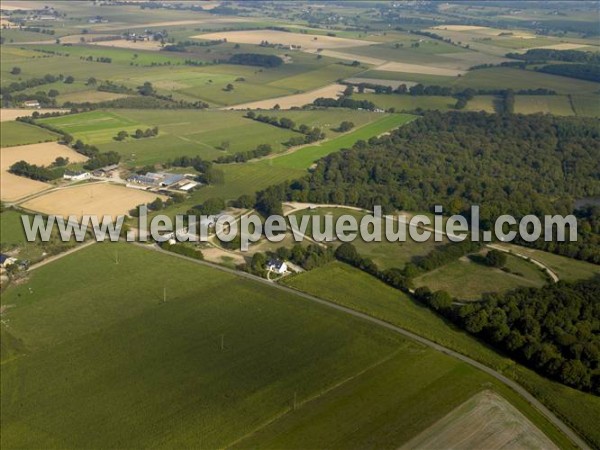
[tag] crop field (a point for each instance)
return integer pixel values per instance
(553, 104)
(93, 198)
(305, 41)
(492, 423)
(130, 353)
(10, 114)
(299, 100)
(468, 280)
(15, 187)
(350, 287)
(408, 102)
(19, 133)
(586, 105)
(306, 156)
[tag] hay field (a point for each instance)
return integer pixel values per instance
(561, 46)
(289, 101)
(421, 69)
(137, 45)
(96, 199)
(13, 187)
(487, 421)
(8, 114)
(306, 41)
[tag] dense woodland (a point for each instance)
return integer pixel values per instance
(506, 164)
(554, 330)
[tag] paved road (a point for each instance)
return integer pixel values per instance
(507, 381)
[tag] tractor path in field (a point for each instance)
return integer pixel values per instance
(550, 416)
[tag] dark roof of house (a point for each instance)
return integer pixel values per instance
(275, 263)
(3, 258)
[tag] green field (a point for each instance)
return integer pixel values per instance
(350, 287)
(567, 269)
(466, 279)
(408, 102)
(19, 133)
(558, 105)
(192, 132)
(385, 254)
(305, 157)
(586, 105)
(157, 372)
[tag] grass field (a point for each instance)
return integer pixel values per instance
(305, 157)
(586, 105)
(466, 279)
(194, 133)
(18, 133)
(157, 371)
(558, 105)
(567, 269)
(385, 254)
(350, 287)
(408, 102)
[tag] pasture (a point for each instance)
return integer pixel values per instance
(91, 198)
(304, 157)
(558, 105)
(467, 279)
(18, 133)
(408, 102)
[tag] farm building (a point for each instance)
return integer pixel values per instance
(31, 104)
(160, 179)
(76, 176)
(106, 171)
(6, 260)
(277, 266)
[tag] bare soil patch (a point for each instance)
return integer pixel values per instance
(94, 198)
(486, 421)
(287, 102)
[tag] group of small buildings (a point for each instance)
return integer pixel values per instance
(163, 180)
(147, 35)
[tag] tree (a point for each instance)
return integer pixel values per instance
(122, 135)
(345, 126)
(69, 80)
(229, 87)
(495, 258)
(53, 93)
(60, 161)
(146, 89)
(91, 81)
(349, 90)
(347, 253)
(15, 70)
(139, 133)
(225, 145)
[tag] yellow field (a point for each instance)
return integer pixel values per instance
(287, 102)
(306, 41)
(13, 187)
(7, 114)
(487, 421)
(417, 68)
(95, 199)
(124, 43)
